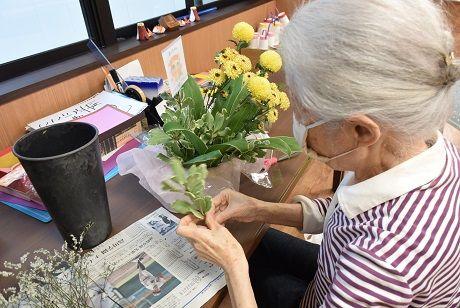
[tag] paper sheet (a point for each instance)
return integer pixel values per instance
(105, 118)
(89, 106)
(132, 68)
(174, 61)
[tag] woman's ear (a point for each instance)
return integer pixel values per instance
(363, 129)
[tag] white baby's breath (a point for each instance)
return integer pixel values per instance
(56, 278)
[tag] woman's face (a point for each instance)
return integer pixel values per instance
(337, 137)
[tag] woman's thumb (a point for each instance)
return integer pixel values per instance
(211, 221)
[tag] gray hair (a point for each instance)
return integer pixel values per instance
(388, 59)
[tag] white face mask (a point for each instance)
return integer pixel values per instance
(300, 133)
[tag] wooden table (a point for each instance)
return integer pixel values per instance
(129, 202)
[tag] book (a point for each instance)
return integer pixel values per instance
(17, 183)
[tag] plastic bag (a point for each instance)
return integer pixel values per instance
(152, 171)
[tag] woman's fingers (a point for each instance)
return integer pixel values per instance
(187, 226)
(222, 217)
(222, 198)
(188, 220)
(211, 221)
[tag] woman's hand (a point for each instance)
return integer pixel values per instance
(232, 205)
(213, 242)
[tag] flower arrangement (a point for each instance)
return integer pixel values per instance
(57, 278)
(210, 125)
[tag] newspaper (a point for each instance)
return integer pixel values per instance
(154, 267)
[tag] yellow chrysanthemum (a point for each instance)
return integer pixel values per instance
(274, 86)
(259, 88)
(284, 101)
(221, 58)
(230, 53)
(272, 115)
(274, 100)
(232, 69)
(244, 62)
(243, 31)
(248, 76)
(271, 61)
(217, 76)
(224, 94)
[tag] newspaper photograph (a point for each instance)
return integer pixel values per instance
(153, 267)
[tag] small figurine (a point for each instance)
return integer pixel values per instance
(142, 33)
(158, 29)
(194, 14)
(169, 22)
(184, 22)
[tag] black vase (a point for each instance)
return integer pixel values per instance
(63, 162)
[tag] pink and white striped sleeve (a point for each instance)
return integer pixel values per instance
(362, 279)
(314, 212)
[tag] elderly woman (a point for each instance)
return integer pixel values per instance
(372, 82)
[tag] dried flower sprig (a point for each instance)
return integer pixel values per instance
(55, 279)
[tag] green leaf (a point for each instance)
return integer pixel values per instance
(242, 117)
(208, 205)
(163, 157)
(200, 205)
(169, 186)
(158, 136)
(237, 96)
(204, 159)
(240, 145)
(181, 206)
(218, 121)
(195, 184)
(196, 213)
(287, 145)
(178, 171)
(191, 91)
(198, 144)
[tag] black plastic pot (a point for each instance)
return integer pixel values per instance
(63, 162)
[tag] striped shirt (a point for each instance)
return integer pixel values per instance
(392, 240)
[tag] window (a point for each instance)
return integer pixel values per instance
(38, 33)
(128, 12)
(32, 27)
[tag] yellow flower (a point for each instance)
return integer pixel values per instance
(274, 86)
(232, 69)
(224, 94)
(271, 61)
(248, 76)
(259, 88)
(244, 62)
(230, 53)
(243, 31)
(272, 115)
(284, 101)
(274, 100)
(220, 58)
(217, 76)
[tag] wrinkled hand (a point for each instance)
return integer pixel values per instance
(213, 242)
(232, 205)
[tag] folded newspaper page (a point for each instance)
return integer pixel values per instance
(154, 267)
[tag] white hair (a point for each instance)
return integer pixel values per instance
(388, 59)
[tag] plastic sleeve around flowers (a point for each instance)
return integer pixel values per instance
(314, 213)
